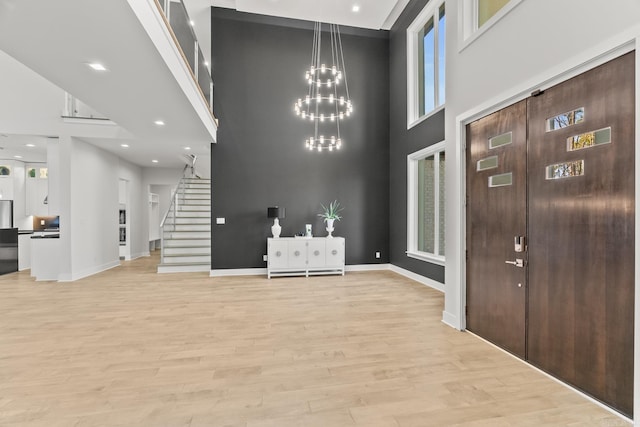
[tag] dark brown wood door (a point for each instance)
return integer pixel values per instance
(496, 213)
(581, 229)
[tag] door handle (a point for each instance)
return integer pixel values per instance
(519, 262)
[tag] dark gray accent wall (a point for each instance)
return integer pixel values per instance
(260, 159)
(404, 142)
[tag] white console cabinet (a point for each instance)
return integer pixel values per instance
(295, 256)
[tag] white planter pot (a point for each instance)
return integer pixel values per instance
(330, 227)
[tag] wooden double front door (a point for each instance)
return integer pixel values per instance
(550, 230)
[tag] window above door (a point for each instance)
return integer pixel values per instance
(480, 15)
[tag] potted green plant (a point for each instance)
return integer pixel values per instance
(331, 214)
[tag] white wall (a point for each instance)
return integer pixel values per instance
(164, 193)
(88, 209)
(161, 176)
(537, 44)
(136, 208)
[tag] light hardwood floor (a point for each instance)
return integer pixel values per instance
(129, 347)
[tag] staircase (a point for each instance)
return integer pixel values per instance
(186, 228)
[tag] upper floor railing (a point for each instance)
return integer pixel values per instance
(76, 109)
(182, 28)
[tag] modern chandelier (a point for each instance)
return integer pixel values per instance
(327, 102)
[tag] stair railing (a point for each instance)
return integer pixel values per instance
(173, 207)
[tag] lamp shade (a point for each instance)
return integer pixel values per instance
(275, 212)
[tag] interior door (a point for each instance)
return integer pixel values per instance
(581, 222)
(496, 215)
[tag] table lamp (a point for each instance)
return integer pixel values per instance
(276, 213)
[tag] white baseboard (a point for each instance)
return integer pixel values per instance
(450, 320)
(418, 278)
(263, 271)
(367, 267)
(238, 272)
(139, 255)
(88, 272)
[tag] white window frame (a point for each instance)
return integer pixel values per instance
(413, 44)
(412, 205)
(468, 30)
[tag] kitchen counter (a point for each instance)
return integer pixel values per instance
(24, 245)
(45, 252)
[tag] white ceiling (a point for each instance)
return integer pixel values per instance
(57, 38)
(372, 14)
(16, 145)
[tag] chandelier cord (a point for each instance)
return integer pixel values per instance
(344, 67)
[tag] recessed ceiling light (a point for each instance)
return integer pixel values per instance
(159, 122)
(193, 24)
(30, 145)
(124, 145)
(355, 8)
(154, 161)
(187, 148)
(96, 66)
(206, 63)
(17, 156)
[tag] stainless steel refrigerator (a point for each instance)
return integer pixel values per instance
(6, 213)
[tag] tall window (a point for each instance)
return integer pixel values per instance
(426, 62)
(425, 231)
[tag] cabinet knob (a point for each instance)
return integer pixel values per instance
(316, 253)
(278, 253)
(334, 252)
(296, 253)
